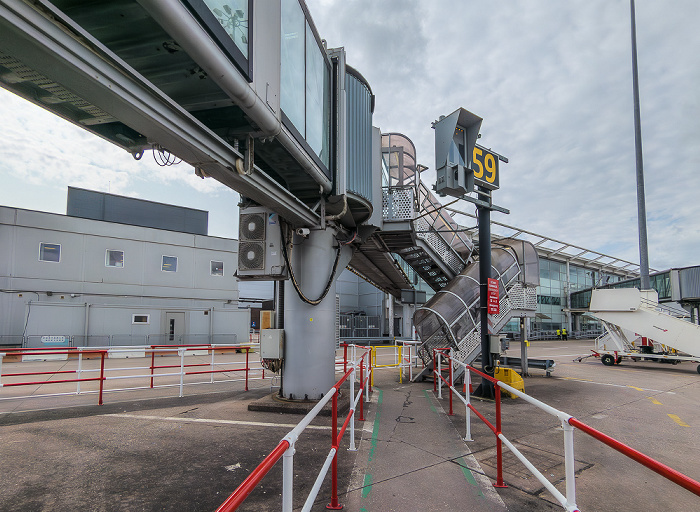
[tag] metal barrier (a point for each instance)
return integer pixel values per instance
(285, 449)
(150, 373)
(568, 422)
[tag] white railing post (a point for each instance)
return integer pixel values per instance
(288, 478)
(569, 463)
(211, 379)
(468, 381)
(352, 447)
(439, 373)
(80, 368)
(181, 352)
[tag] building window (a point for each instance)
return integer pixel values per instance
(140, 319)
(169, 264)
(49, 252)
(114, 258)
(217, 268)
(229, 22)
(305, 88)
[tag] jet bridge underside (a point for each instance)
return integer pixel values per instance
(165, 101)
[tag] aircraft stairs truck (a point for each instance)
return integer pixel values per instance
(628, 315)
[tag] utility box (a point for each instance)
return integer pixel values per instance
(495, 344)
(272, 344)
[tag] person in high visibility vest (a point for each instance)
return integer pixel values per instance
(563, 334)
(558, 334)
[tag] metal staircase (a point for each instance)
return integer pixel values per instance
(417, 230)
(451, 317)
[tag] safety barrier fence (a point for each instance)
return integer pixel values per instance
(174, 373)
(286, 447)
(568, 423)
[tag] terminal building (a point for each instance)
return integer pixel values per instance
(121, 271)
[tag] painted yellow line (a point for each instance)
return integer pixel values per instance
(678, 420)
(635, 387)
(654, 400)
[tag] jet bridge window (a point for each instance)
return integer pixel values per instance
(228, 21)
(305, 95)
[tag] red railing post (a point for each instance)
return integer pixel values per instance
(334, 504)
(247, 351)
(345, 358)
(153, 362)
(102, 376)
(499, 447)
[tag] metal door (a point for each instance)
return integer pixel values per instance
(174, 328)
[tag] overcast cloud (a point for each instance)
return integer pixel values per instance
(551, 79)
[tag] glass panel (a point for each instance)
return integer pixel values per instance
(217, 268)
(317, 98)
(50, 252)
(114, 258)
(292, 69)
(233, 16)
(169, 264)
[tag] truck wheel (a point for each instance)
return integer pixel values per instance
(698, 368)
(618, 360)
(608, 360)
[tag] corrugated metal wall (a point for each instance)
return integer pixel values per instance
(359, 137)
(690, 283)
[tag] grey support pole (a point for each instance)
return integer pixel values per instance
(641, 203)
(308, 371)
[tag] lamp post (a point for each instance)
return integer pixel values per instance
(641, 207)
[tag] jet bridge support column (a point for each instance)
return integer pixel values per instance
(309, 347)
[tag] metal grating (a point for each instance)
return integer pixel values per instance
(398, 204)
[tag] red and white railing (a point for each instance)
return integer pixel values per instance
(176, 373)
(285, 449)
(568, 422)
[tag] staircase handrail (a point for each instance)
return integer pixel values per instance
(663, 309)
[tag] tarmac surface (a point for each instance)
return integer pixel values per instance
(148, 450)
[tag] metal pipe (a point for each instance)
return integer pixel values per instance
(288, 479)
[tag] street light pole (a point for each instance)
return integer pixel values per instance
(641, 207)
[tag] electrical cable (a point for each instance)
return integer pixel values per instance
(163, 157)
(313, 302)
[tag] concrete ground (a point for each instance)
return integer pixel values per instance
(147, 451)
(650, 406)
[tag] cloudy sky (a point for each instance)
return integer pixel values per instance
(552, 80)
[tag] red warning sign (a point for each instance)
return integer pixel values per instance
(493, 301)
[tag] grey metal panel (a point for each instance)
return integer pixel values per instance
(359, 136)
(89, 204)
(690, 283)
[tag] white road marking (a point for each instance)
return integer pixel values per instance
(212, 421)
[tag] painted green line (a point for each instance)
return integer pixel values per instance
(367, 485)
(430, 402)
(469, 475)
(462, 464)
(375, 428)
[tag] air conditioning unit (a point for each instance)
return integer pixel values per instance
(260, 245)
